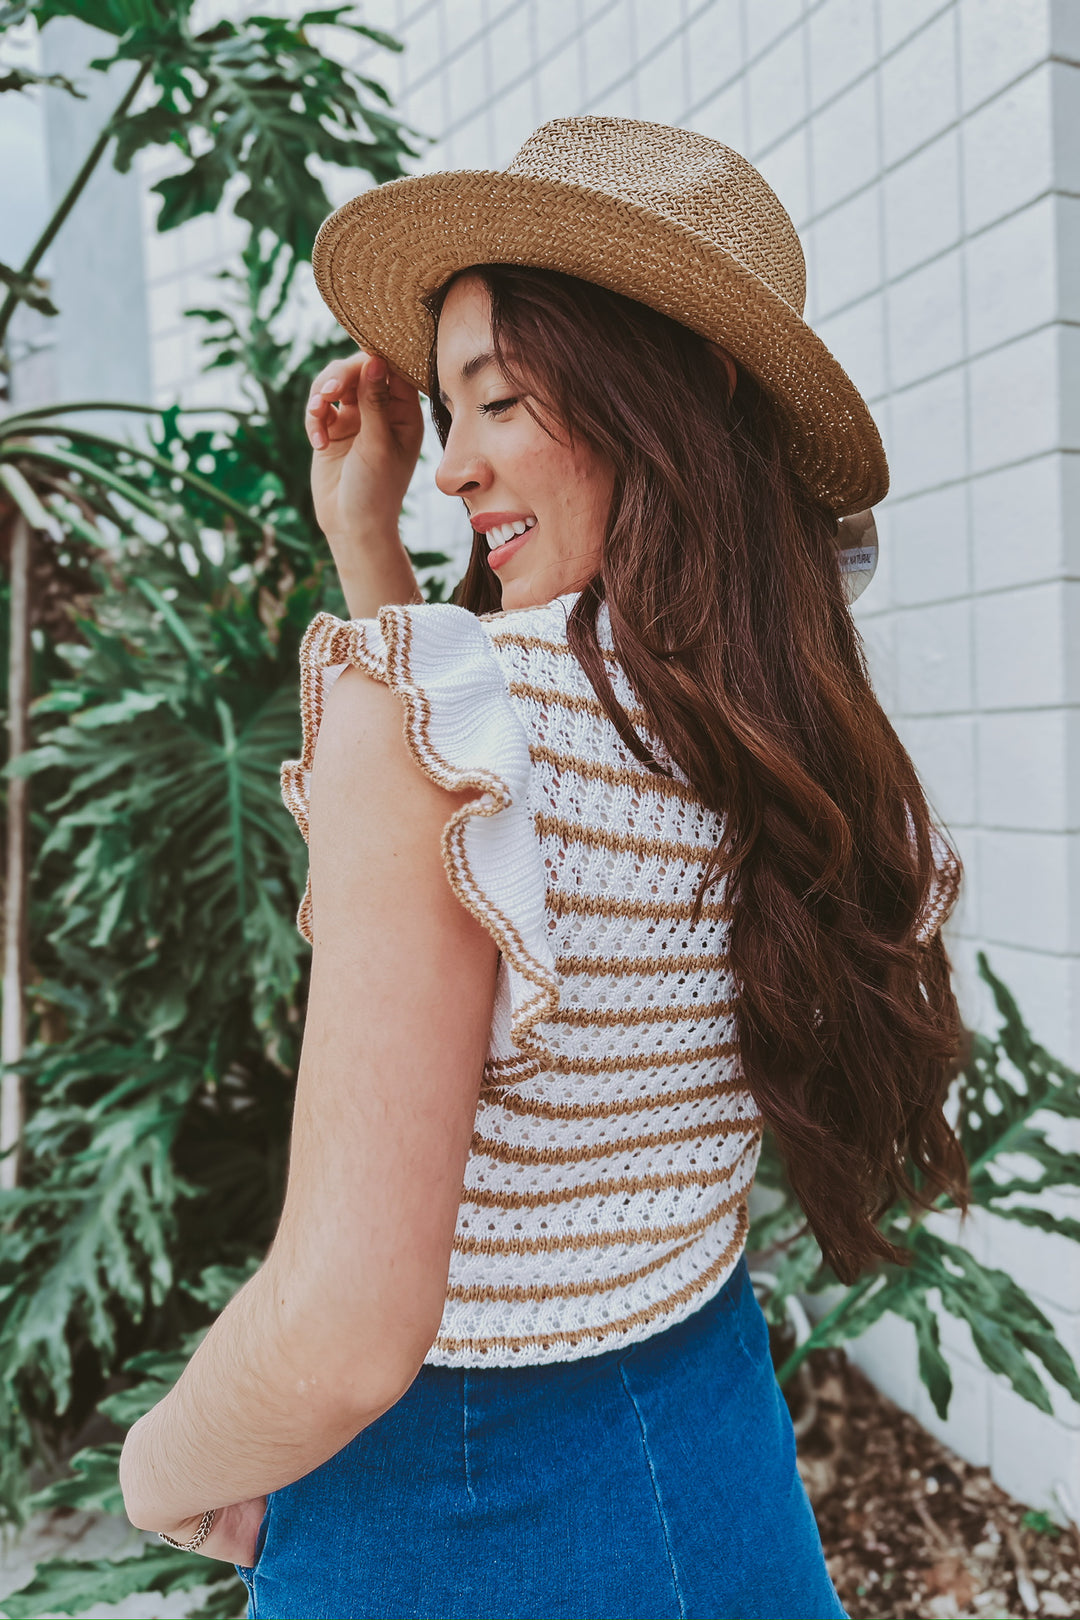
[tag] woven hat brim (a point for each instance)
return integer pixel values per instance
(380, 254)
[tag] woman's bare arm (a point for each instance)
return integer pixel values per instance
(366, 428)
(333, 1328)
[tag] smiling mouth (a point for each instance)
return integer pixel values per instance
(508, 531)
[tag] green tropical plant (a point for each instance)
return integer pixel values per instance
(169, 975)
(1008, 1085)
(249, 101)
(173, 576)
(69, 1585)
(168, 980)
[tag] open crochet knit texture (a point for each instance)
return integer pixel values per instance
(615, 1143)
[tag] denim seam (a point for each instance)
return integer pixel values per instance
(656, 1496)
(249, 1581)
(465, 1431)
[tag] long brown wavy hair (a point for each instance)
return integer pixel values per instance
(728, 615)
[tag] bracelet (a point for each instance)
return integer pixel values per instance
(198, 1538)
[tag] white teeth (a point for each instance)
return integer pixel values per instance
(506, 531)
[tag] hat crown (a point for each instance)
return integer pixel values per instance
(668, 217)
(690, 179)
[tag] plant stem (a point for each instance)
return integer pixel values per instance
(820, 1330)
(85, 436)
(101, 476)
(71, 196)
(13, 1037)
(32, 413)
(236, 809)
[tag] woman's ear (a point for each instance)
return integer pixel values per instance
(727, 362)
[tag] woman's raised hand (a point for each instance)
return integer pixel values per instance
(366, 427)
(364, 451)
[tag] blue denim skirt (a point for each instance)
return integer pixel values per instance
(654, 1480)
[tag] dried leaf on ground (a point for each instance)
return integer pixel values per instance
(911, 1530)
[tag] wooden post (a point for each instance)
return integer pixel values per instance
(13, 1036)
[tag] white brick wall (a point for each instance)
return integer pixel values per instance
(929, 152)
(926, 153)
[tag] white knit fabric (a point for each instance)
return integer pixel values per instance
(615, 1144)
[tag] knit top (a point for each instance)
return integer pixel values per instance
(605, 1192)
(615, 1143)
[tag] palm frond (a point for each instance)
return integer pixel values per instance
(1008, 1095)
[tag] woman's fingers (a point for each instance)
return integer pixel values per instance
(374, 377)
(344, 423)
(341, 390)
(316, 432)
(340, 373)
(337, 381)
(321, 420)
(317, 414)
(373, 396)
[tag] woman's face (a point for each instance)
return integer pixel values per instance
(509, 471)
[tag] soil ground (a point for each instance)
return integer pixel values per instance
(910, 1529)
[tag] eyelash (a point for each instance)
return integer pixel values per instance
(497, 407)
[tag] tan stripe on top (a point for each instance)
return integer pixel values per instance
(575, 832)
(645, 967)
(557, 1063)
(606, 1330)
(519, 1293)
(516, 1102)
(566, 902)
(516, 1068)
(548, 695)
(511, 638)
(666, 1181)
(642, 781)
(580, 1152)
(618, 1237)
(615, 1017)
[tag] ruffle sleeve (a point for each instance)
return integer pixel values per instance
(944, 889)
(463, 730)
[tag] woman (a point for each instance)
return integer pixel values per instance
(648, 870)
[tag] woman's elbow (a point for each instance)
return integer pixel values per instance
(399, 1341)
(362, 1354)
(363, 1394)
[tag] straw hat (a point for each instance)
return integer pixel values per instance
(669, 217)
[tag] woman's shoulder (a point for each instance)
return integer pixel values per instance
(466, 732)
(506, 639)
(453, 656)
(543, 630)
(543, 621)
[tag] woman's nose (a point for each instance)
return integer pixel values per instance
(461, 470)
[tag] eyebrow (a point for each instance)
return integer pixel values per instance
(470, 369)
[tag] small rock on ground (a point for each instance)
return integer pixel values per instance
(910, 1530)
